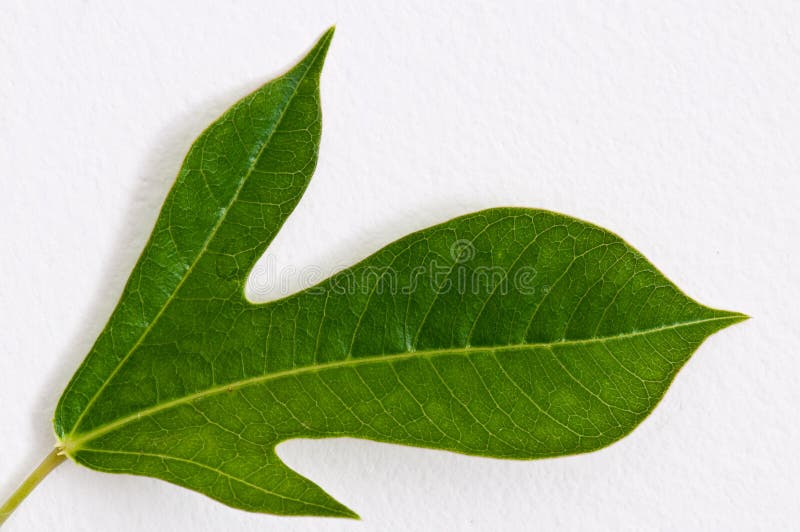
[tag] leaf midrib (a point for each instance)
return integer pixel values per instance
(200, 253)
(73, 445)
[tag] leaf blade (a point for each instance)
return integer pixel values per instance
(514, 333)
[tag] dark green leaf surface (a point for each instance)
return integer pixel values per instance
(513, 333)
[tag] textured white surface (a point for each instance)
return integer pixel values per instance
(674, 124)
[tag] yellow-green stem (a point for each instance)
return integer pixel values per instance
(48, 464)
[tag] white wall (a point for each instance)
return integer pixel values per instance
(674, 124)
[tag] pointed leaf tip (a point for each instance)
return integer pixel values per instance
(315, 57)
(325, 40)
(732, 318)
(350, 514)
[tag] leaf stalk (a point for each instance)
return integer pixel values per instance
(50, 462)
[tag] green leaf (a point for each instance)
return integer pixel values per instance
(512, 333)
